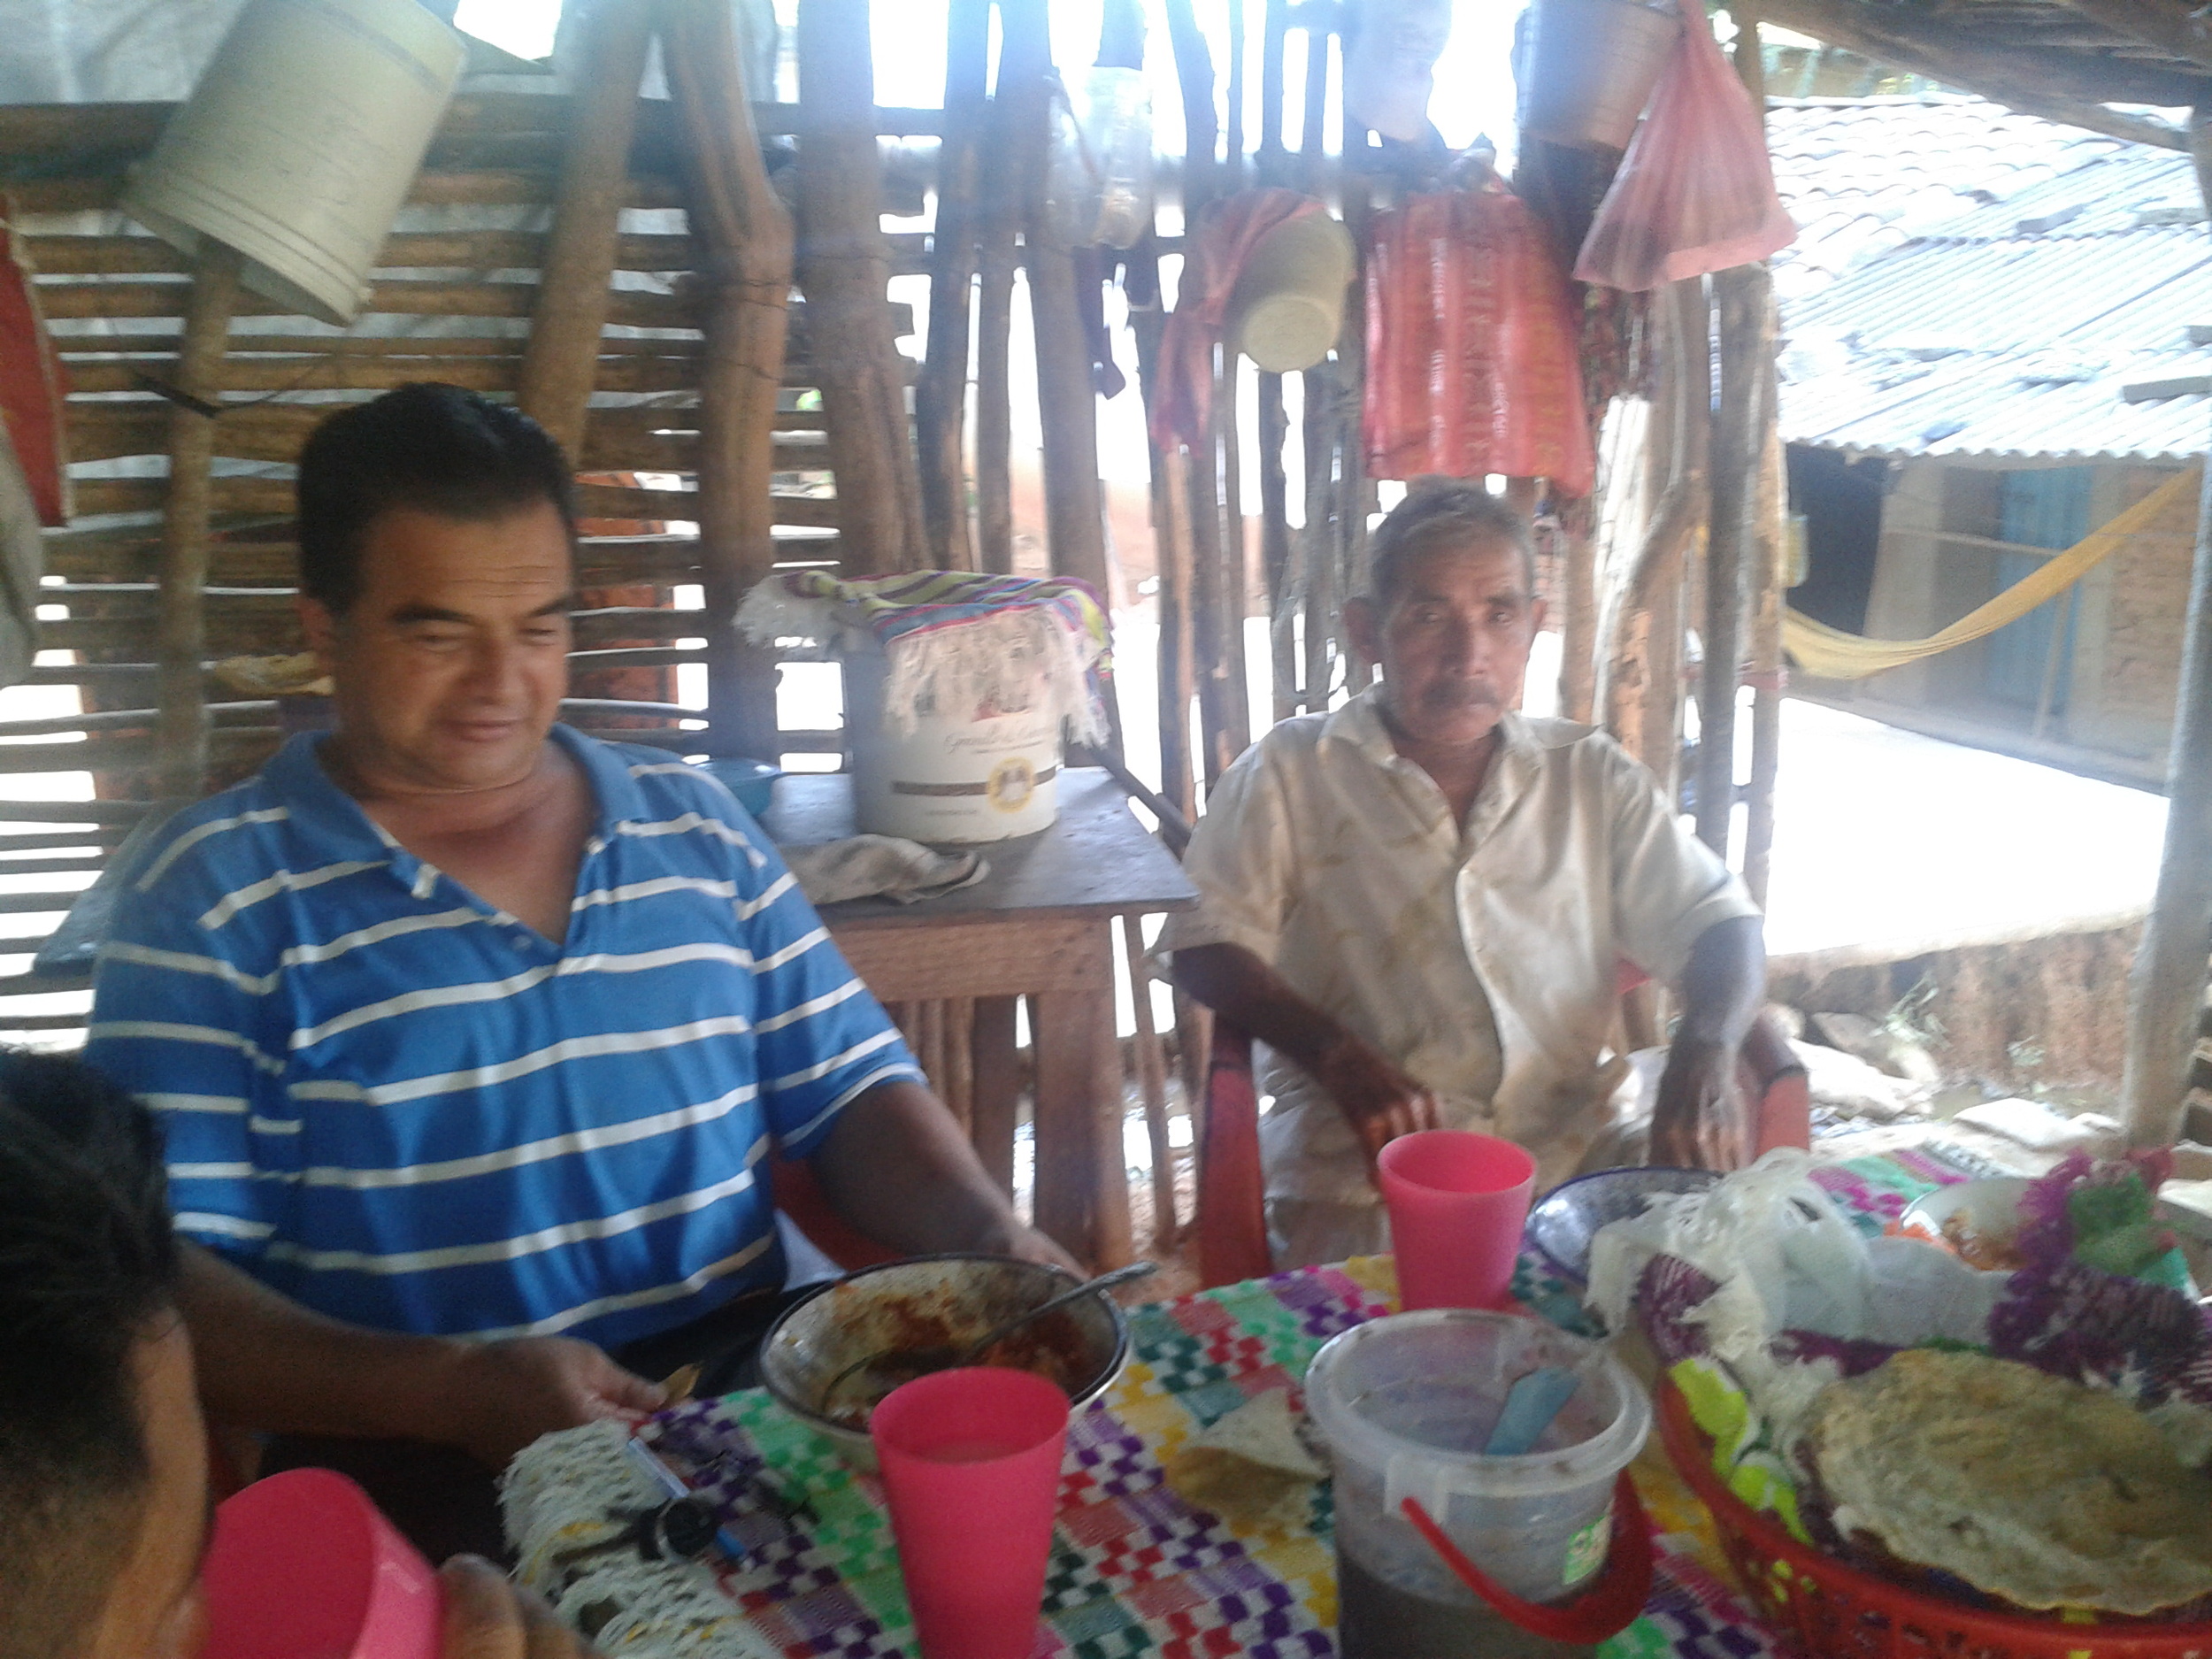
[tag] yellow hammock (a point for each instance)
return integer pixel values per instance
(1831, 654)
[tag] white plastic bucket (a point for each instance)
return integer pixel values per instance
(299, 144)
(1406, 1404)
(950, 781)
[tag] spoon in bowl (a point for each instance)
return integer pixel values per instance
(866, 1381)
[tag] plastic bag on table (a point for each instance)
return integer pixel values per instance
(1766, 1251)
(1473, 363)
(1695, 192)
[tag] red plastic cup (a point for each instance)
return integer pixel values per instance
(1457, 1203)
(304, 1564)
(971, 1462)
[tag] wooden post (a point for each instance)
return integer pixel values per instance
(746, 237)
(1067, 406)
(2166, 988)
(1178, 670)
(844, 267)
(560, 360)
(1577, 607)
(1769, 671)
(1747, 355)
(181, 627)
(1275, 546)
(1764, 603)
(994, 391)
(941, 399)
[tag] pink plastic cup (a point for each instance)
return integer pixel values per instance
(303, 1565)
(971, 1461)
(1457, 1203)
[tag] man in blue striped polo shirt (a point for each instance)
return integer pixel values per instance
(470, 1034)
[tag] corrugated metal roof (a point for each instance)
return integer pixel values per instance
(2069, 267)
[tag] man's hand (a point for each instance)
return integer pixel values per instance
(487, 1617)
(503, 1395)
(1026, 1244)
(1699, 1121)
(1381, 1101)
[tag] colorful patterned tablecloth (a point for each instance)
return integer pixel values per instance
(1134, 1570)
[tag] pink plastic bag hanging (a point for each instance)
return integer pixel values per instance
(1695, 192)
(1473, 363)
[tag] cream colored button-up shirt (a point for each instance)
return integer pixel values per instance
(1484, 959)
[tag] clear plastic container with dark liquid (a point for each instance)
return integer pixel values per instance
(1406, 1404)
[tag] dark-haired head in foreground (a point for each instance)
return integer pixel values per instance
(103, 1463)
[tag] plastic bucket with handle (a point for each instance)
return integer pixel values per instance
(1446, 1550)
(299, 144)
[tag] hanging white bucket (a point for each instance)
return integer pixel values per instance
(299, 144)
(981, 779)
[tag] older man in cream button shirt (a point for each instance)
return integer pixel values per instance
(1419, 903)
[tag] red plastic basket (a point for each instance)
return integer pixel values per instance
(1829, 1610)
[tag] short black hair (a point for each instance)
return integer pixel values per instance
(426, 446)
(88, 1264)
(1440, 512)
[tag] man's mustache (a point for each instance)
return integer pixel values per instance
(1461, 694)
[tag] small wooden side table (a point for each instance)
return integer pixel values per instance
(1038, 926)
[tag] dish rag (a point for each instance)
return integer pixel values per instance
(880, 866)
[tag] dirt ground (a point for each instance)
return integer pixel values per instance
(2046, 1014)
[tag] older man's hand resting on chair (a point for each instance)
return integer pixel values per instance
(1421, 904)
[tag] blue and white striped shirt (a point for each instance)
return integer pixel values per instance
(401, 1107)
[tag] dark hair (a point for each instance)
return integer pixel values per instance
(432, 448)
(87, 1262)
(1440, 512)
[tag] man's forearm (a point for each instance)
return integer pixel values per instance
(270, 1364)
(1724, 984)
(1238, 986)
(897, 1167)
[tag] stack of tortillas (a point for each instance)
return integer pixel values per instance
(2026, 1486)
(1248, 1467)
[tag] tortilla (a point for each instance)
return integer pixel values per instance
(1249, 1466)
(2024, 1484)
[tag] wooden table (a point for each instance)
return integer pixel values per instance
(1038, 926)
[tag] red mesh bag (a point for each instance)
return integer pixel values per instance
(1471, 346)
(1695, 192)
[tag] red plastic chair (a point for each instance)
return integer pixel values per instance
(1232, 1187)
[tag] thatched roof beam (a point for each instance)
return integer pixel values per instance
(2175, 29)
(2033, 82)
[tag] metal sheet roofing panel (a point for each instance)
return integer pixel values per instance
(1982, 408)
(2020, 296)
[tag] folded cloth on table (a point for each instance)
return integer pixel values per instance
(880, 866)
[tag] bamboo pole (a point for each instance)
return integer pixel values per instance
(736, 214)
(562, 350)
(1317, 565)
(940, 397)
(2166, 987)
(994, 391)
(843, 267)
(1067, 406)
(1577, 607)
(1276, 553)
(181, 631)
(1171, 530)
(1747, 354)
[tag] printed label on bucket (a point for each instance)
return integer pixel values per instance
(1585, 1550)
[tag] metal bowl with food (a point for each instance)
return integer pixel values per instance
(934, 1301)
(1977, 1221)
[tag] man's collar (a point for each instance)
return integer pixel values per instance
(321, 809)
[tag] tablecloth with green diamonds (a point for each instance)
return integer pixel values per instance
(1134, 1569)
